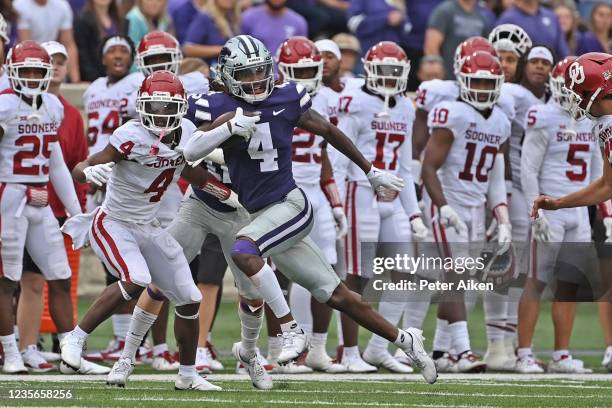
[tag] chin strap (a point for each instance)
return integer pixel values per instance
(155, 146)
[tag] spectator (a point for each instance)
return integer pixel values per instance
(183, 15)
(147, 16)
(325, 17)
(77, 6)
(418, 14)
(540, 23)
(431, 67)
(451, 23)
(373, 21)
(10, 17)
(350, 50)
(99, 19)
(211, 28)
(49, 20)
(597, 39)
(272, 23)
(568, 21)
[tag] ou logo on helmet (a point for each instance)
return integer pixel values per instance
(576, 74)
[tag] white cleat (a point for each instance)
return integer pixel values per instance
(87, 367)
(35, 362)
(262, 360)
(214, 364)
(568, 365)
(50, 356)
(497, 358)
(357, 365)
(446, 364)
(195, 382)
(202, 362)
(402, 357)
(384, 359)
(294, 345)
(291, 368)
(165, 362)
(320, 361)
(14, 365)
(120, 372)
(419, 357)
(528, 365)
(71, 351)
(259, 376)
(607, 359)
(470, 363)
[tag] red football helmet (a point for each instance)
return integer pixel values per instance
(300, 61)
(588, 79)
(480, 67)
(556, 82)
(161, 102)
(469, 47)
(29, 55)
(163, 46)
(387, 68)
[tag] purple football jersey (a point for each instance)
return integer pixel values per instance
(261, 169)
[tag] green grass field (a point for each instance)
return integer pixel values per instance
(149, 389)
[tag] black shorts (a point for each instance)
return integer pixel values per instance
(212, 264)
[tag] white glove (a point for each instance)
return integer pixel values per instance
(381, 179)
(504, 237)
(242, 125)
(491, 233)
(607, 222)
(449, 218)
(99, 173)
(419, 230)
(232, 201)
(541, 229)
(341, 222)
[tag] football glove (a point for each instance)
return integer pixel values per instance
(99, 173)
(419, 230)
(381, 179)
(541, 229)
(449, 218)
(242, 125)
(341, 222)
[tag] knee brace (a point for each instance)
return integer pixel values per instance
(245, 246)
(186, 311)
(156, 295)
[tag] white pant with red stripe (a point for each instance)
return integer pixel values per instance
(372, 221)
(567, 225)
(33, 228)
(144, 254)
(323, 231)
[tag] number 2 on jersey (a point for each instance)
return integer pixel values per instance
(34, 170)
(261, 148)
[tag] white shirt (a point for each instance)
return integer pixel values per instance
(603, 131)
(44, 22)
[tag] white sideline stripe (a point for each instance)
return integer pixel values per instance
(574, 378)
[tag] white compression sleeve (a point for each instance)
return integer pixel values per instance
(532, 156)
(62, 181)
(496, 193)
(203, 143)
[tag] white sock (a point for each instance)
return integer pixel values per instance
(121, 324)
(514, 296)
(392, 312)
(275, 346)
(318, 341)
(460, 337)
(337, 316)
(60, 336)
(299, 300)
(16, 332)
(209, 337)
(524, 352)
(80, 333)
(187, 370)
(558, 354)
(403, 340)
(350, 353)
(266, 283)
(442, 338)
(140, 323)
(249, 331)
(291, 326)
(495, 309)
(159, 349)
(9, 345)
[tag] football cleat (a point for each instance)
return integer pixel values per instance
(120, 372)
(294, 344)
(71, 351)
(357, 365)
(497, 358)
(607, 359)
(264, 362)
(419, 357)
(320, 361)
(14, 365)
(446, 364)
(566, 364)
(165, 362)
(293, 367)
(114, 348)
(259, 376)
(402, 357)
(195, 382)
(528, 365)
(34, 361)
(202, 363)
(214, 363)
(87, 367)
(384, 359)
(470, 363)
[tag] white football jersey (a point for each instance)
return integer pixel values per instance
(572, 147)
(4, 79)
(434, 91)
(137, 184)
(25, 148)
(194, 83)
(603, 131)
(523, 100)
(465, 173)
(383, 139)
(106, 106)
(333, 98)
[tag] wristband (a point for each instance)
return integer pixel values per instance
(605, 208)
(330, 189)
(216, 188)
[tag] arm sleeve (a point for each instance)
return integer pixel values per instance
(533, 151)
(62, 181)
(408, 195)
(496, 193)
(596, 164)
(349, 124)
